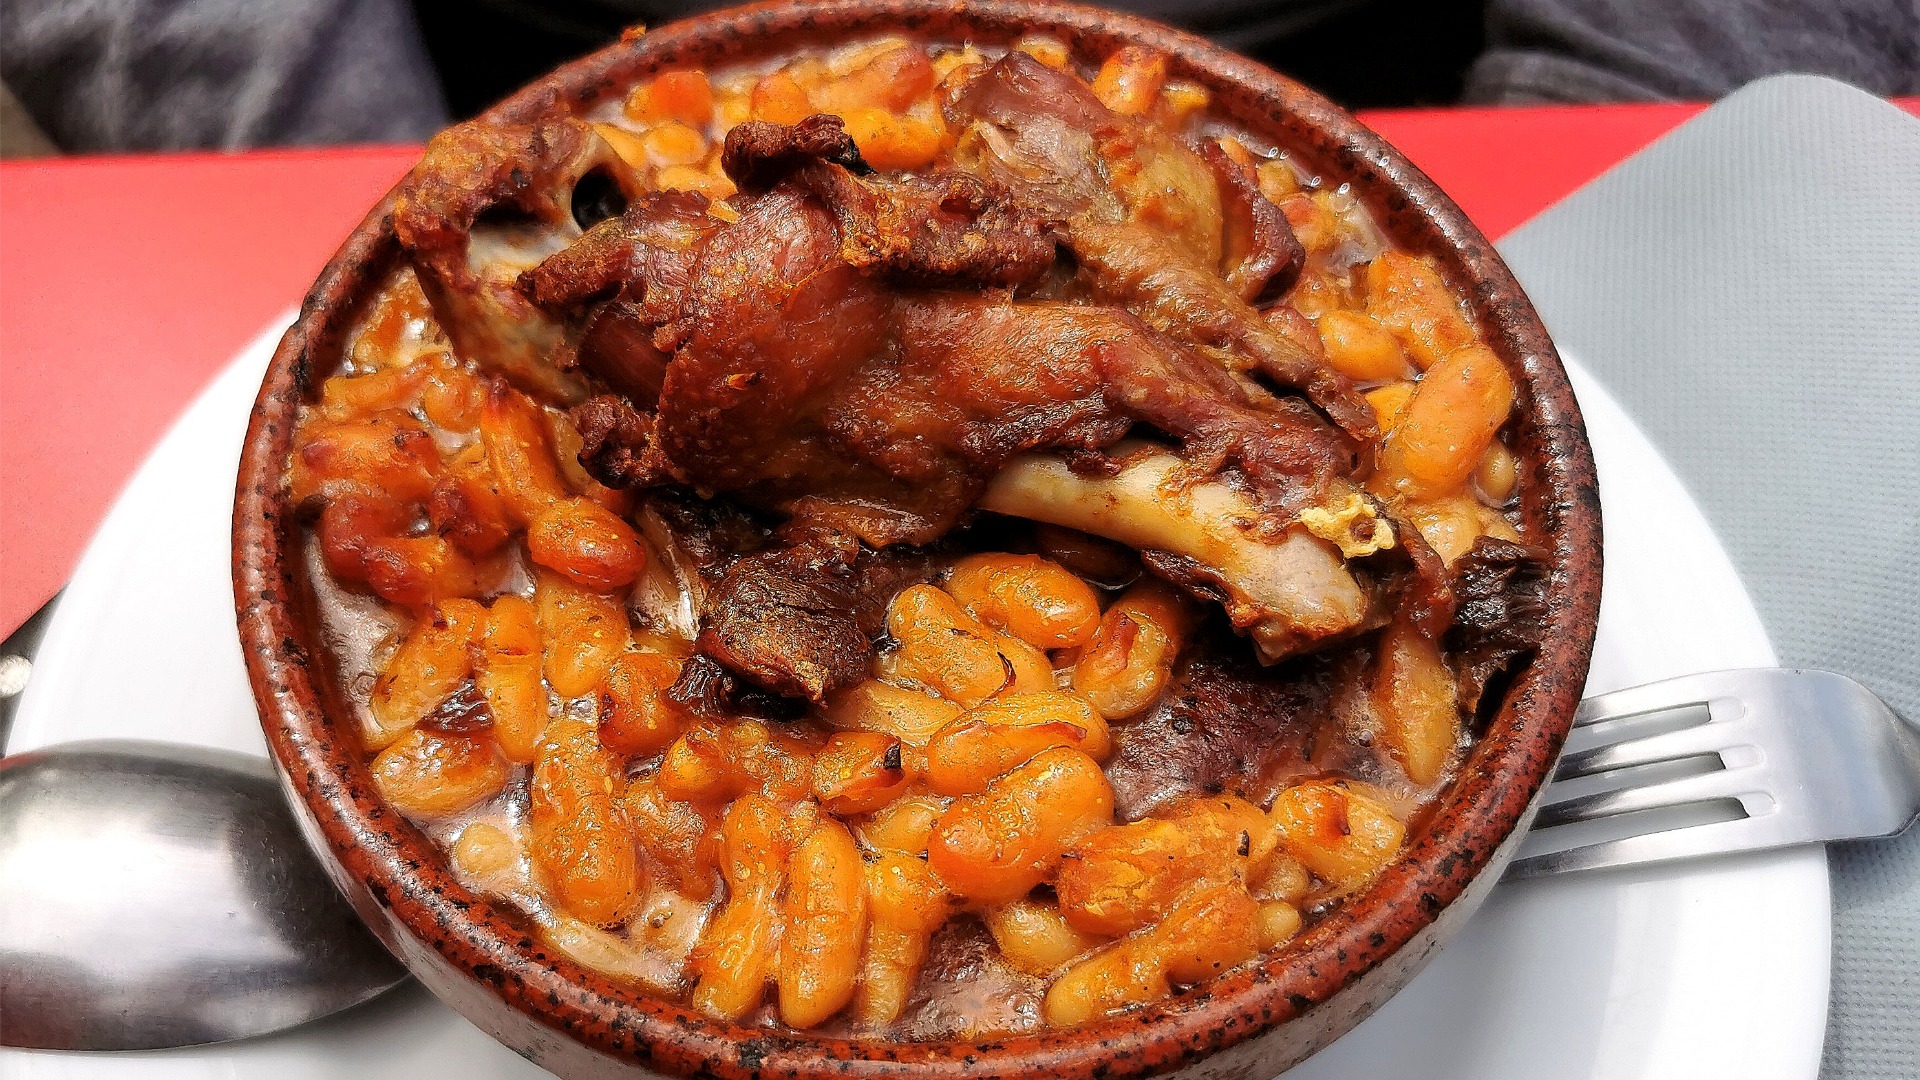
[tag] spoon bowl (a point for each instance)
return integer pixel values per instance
(155, 895)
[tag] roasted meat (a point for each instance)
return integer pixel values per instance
(862, 355)
(1229, 724)
(1260, 254)
(944, 226)
(627, 276)
(801, 620)
(1500, 622)
(489, 201)
(1146, 219)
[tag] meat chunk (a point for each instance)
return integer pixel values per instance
(835, 349)
(782, 621)
(1038, 132)
(1125, 265)
(944, 225)
(1147, 222)
(1230, 724)
(774, 325)
(1500, 620)
(620, 285)
(613, 441)
(800, 621)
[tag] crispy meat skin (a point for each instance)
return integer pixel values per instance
(801, 382)
(613, 440)
(637, 267)
(814, 371)
(473, 168)
(819, 370)
(759, 154)
(943, 225)
(1148, 223)
(861, 354)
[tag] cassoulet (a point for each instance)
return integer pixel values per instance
(911, 540)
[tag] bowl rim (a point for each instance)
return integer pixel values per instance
(377, 851)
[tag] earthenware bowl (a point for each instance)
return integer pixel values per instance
(1256, 1021)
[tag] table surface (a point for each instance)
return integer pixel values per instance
(127, 283)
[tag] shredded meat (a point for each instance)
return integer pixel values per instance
(781, 619)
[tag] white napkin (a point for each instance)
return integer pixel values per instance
(1749, 288)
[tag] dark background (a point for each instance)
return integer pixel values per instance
(1360, 53)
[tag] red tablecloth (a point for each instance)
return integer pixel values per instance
(125, 284)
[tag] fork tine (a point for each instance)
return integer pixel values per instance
(1689, 742)
(1677, 693)
(1720, 784)
(1673, 845)
(1806, 756)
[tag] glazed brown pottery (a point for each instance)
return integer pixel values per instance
(483, 960)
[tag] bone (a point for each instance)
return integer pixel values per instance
(488, 202)
(1286, 594)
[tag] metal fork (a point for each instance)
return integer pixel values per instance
(1724, 762)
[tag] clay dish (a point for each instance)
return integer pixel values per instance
(1255, 1021)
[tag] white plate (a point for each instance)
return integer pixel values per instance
(1715, 970)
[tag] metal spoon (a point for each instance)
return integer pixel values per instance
(155, 894)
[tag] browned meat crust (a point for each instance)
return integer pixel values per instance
(799, 378)
(648, 249)
(759, 154)
(1262, 256)
(942, 225)
(473, 168)
(613, 441)
(805, 351)
(621, 283)
(1148, 221)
